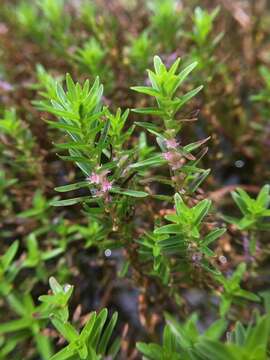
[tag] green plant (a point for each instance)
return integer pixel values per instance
(263, 95)
(180, 341)
(165, 22)
(231, 290)
(5, 184)
(40, 209)
(29, 21)
(92, 341)
(184, 240)
(22, 305)
(91, 58)
(8, 270)
(35, 258)
(254, 213)
(204, 41)
(140, 51)
(186, 341)
(57, 19)
(19, 143)
(82, 118)
(45, 84)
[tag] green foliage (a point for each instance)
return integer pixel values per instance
(203, 25)
(254, 211)
(57, 19)
(164, 84)
(181, 239)
(165, 22)
(45, 84)
(5, 184)
(39, 209)
(91, 58)
(20, 143)
(35, 257)
(232, 290)
(140, 51)
(8, 270)
(88, 13)
(92, 341)
(251, 342)
(205, 41)
(180, 341)
(84, 120)
(185, 341)
(263, 95)
(28, 20)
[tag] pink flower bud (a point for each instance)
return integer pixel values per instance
(172, 144)
(94, 178)
(106, 185)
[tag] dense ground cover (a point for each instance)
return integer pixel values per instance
(145, 190)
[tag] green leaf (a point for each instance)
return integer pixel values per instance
(151, 351)
(69, 202)
(240, 202)
(158, 64)
(65, 127)
(15, 325)
(196, 182)
(7, 258)
(73, 145)
(168, 229)
(146, 90)
(88, 327)
(201, 210)
(206, 251)
(183, 75)
(213, 350)
(216, 330)
(107, 335)
(185, 98)
(66, 353)
(180, 205)
(148, 125)
(247, 295)
(212, 236)
(195, 145)
(259, 335)
(71, 187)
(65, 329)
(128, 192)
(149, 111)
(153, 161)
(263, 197)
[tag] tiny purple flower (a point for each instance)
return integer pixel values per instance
(174, 159)
(94, 178)
(172, 144)
(106, 185)
(196, 257)
(168, 156)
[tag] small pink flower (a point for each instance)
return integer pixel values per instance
(94, 178)
(174, 159)
(5, 86)
(103, 185)
(168, 156)
(106, 185)
(196, 257)
(172, 144)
